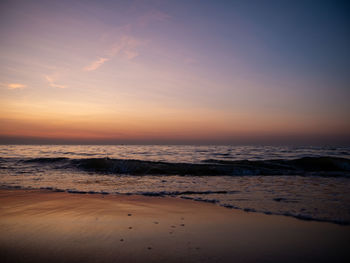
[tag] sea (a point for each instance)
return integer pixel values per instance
(308, 183)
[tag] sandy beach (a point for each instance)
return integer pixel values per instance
(44, 226)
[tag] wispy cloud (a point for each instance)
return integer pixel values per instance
(123, 43)
(53, 84)
(16, 86)
(130, 54)
(96, 64)
(125, 47)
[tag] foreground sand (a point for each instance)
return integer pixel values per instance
(43, 226)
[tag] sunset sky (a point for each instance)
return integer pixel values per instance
(174, 71)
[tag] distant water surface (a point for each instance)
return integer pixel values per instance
(305, 182)
(171, 153)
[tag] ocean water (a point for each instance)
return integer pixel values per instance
(311, 183)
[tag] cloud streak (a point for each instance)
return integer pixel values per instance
(52, 83)
(16, 86)
(126, 47)
(96, 64)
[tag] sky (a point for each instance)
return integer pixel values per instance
(182, 72)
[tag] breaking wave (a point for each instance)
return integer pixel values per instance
(326, 166)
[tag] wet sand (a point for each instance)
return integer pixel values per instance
(44, 226)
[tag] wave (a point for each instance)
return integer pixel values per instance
(47, 160)
(326, 166)
(176, 193)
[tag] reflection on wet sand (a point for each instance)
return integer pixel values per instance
(43, 226)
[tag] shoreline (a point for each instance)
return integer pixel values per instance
(167, 195)
(42, 225)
